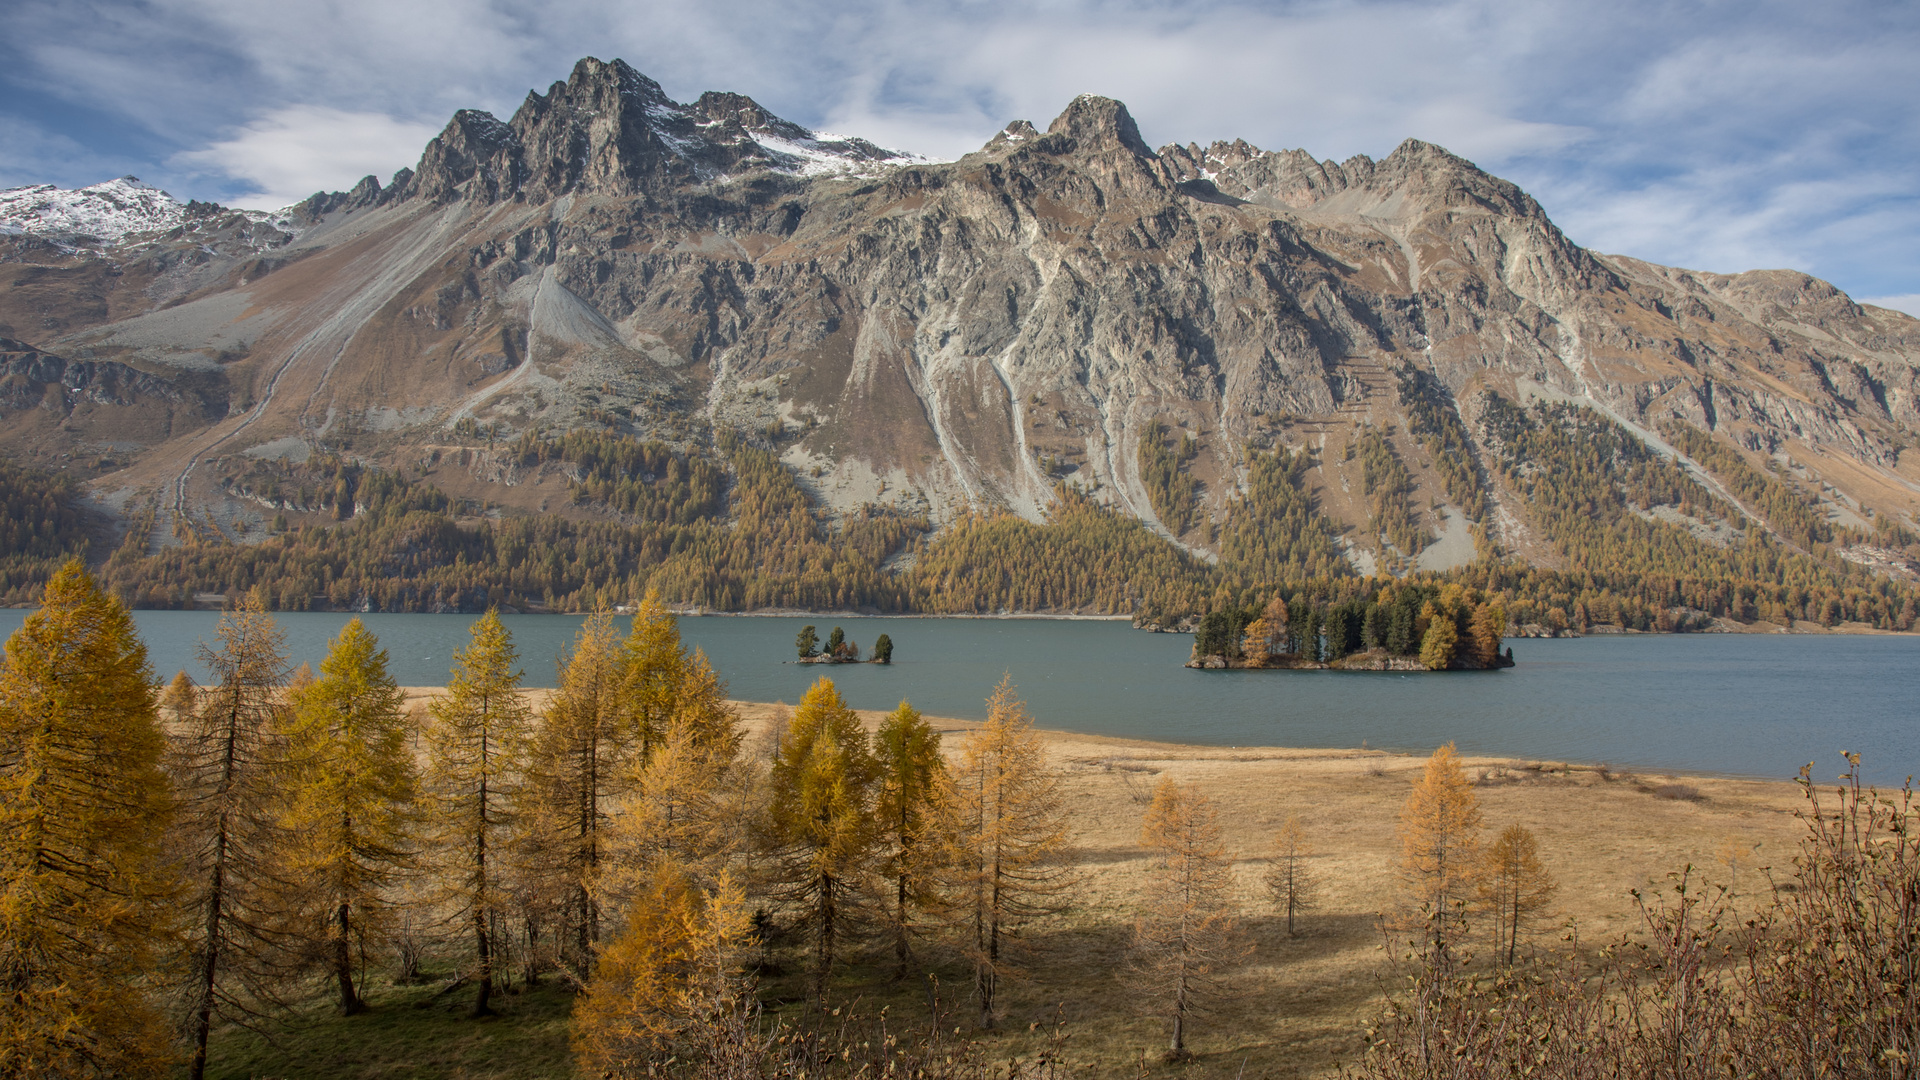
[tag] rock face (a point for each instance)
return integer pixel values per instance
(956, 335)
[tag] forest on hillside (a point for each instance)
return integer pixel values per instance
(724, 525)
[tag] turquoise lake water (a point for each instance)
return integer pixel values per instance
(1756, 705)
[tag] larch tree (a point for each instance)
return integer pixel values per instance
(84, 894)
(912, 776)
(475, 743)
(351, 790)
(178, 702)
(682, 801)
(669, 987)
(1187, 933)
(1004, 832)
(1290, 878)
(819, 813)
(577, 768)
(1514, 886)
(653, 666)
(1440, 848)
(227, 761)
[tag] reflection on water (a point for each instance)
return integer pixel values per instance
(1745, 704)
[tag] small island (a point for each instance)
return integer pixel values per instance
(1378, 627)
(839, 650)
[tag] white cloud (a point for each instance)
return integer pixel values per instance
(1909, 303)
(292, 152)
(1724, 136)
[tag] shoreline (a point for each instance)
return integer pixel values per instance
(758, 716)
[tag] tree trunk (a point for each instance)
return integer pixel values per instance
(350, 1002)
(825, 959)
(902, 952)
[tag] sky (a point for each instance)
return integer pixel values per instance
(1719, 135)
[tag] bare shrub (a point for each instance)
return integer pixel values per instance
(1679, 793)
(1824, 981)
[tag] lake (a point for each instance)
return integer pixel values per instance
(1752, 705)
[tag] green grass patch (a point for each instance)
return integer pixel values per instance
(408, 1035)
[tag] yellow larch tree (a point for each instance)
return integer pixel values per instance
(653, 666)
(1440, 848)
(1187, 933)
(912, 775)
(578, 766)
(84, 897)
(1514, 886)
(351, 789)
(669, 987)
(1290, 878)
(476, 741)
(227, 757)
(1004, 831)
(683, 795)
(819, 815)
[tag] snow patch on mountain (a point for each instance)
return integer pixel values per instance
(107, 213)
(104, 212)
(823, 154)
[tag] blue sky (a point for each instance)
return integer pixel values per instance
(1715, 135)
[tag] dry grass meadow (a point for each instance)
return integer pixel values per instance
(1299, 1006)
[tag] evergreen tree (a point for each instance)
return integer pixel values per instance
(911, 773)
(1005, 830)
(475, 745)
(1187, 933)
(835, 640)
(807, 642)
(1440, 848)
(227, 761)
(883, 650)
(819, 812)
(1373, 631)
(83, 805)
(351, 791)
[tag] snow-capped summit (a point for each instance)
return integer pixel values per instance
(105, 213)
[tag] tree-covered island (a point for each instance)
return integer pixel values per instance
(1395, 626)
(839, 649)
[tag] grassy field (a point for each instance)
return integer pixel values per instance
(1299, 1005)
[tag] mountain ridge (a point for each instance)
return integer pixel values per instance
(942, 337)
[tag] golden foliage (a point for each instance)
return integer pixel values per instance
(351, 785)
(476, 744)
(1004, 831)
(668, 987)
(819, 817)
(912, 774)
(1187, 933)
(1514, 886)
(1440, 847)
(83, 803)
(1290, 877)
(578, 765)
(227, 761)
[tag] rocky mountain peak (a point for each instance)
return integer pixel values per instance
(1012, 137)
(1100, 124)
(610, 130)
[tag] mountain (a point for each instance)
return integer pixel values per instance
(932, 339)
